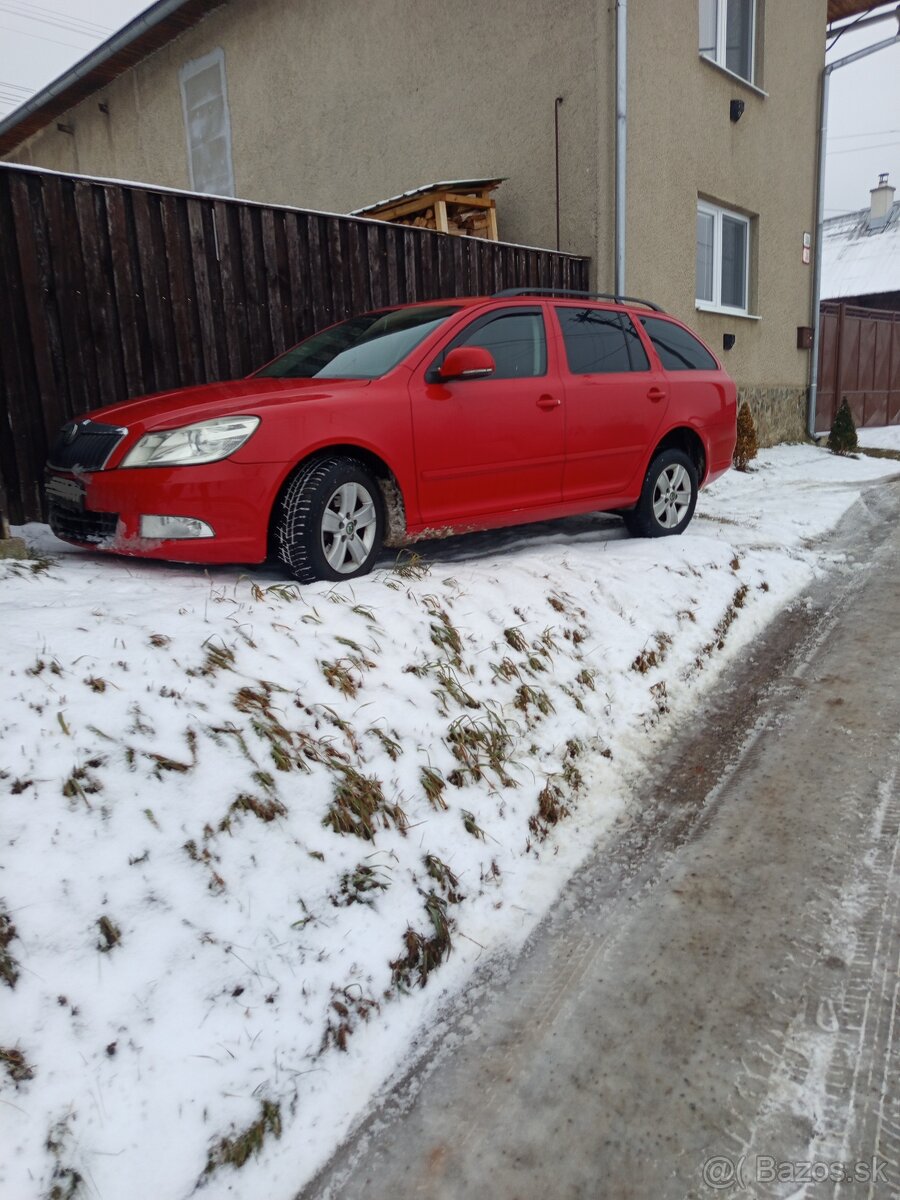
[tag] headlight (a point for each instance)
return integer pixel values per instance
(205, 442)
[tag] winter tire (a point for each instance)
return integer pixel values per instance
(668, 497)
(330, 521)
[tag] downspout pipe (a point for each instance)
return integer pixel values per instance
(154, 15)
(820, 206)
(557, 102)
(621, 137)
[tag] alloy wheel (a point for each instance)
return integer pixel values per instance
(349, 524)
(671, 496)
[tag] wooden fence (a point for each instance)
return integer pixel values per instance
(859, 361)
(111, 290)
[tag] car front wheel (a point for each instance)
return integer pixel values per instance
(668, 497)
(330, 521)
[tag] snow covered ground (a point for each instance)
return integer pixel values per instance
(255, 836)
(886, 438)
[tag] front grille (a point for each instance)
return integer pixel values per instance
(79, 525)
(84, 445)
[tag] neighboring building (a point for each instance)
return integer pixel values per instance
(337, 105)
(861, 253)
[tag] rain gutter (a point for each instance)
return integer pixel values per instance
(120, 41)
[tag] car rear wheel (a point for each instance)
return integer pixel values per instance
(668, 497)
(330, 521)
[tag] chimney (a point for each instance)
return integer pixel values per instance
(882, 202)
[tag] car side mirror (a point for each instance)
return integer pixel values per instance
(467, 362)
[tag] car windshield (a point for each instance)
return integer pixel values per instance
(362, 348)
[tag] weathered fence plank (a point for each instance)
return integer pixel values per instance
(234, 305)
(111, 290)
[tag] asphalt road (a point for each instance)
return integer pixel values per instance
(714, 1007)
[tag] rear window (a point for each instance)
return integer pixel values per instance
(599, 341)
(362, 348)
(678, 350)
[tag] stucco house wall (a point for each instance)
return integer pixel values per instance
(335, 104)
(686, 146)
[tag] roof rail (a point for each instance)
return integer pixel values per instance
(584, 295)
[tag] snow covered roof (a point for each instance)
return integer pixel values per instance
(857, 260)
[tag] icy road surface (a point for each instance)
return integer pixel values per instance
(712, 1007)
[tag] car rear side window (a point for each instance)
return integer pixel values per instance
(678, 350)
(516, 341)
(600, 341)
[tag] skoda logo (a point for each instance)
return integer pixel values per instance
(70, 432)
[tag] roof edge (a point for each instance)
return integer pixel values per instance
(841, 10)
(53, 99)
(860, 214)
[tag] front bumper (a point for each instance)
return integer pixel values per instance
(102, 509)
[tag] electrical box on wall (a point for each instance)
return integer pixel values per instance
(804, 337)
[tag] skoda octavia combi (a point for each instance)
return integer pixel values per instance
(415, 421)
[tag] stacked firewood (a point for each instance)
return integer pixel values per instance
(471, 222)
(465, 208)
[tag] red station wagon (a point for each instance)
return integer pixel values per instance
(417, 421)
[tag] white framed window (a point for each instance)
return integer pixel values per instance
(727, 35)
(207, 124)
(723, 259)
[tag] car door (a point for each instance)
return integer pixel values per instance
(615, 399)
(494, 445)
(701, 394)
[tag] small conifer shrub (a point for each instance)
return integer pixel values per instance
(746, 446)
(843, 439)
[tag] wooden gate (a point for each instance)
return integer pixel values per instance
(859, 359)
(111, 290)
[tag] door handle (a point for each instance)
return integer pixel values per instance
(546, 401)
(656, 394)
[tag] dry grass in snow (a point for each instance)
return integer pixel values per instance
(256, 835)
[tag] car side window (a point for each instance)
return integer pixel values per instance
(600, 341)
(678, 350)
(516, 341)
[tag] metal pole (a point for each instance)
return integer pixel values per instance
(820, 207)
(621, 137)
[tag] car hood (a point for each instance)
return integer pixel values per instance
(183, 406)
